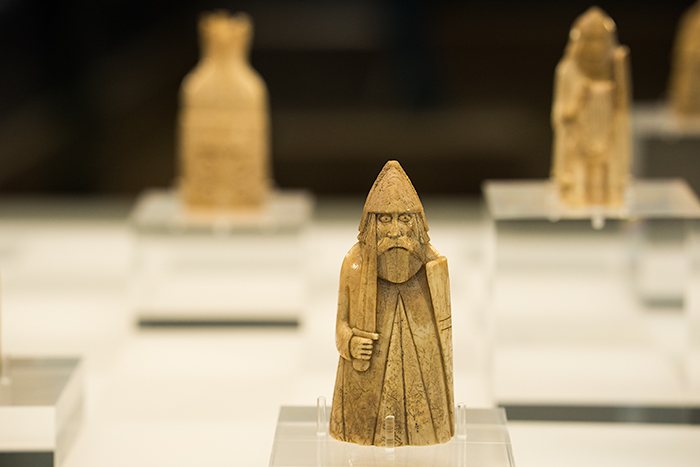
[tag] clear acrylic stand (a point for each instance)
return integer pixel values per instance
(5, 371)
(481, 440)
(41, 409)
(321, 418)
(219, 268)
(561, 278)
(461, 422)
(389, 443)
(692, 362)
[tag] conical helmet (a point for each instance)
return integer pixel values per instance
(392, 192)
(594, 23)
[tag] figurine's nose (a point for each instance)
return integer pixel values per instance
(394, 229)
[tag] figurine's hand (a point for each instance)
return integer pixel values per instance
(360, 348)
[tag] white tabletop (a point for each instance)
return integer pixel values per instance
(212, 397)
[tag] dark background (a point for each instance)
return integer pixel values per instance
(457, 91)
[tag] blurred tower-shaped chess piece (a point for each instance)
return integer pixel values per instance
(684, 86)
(224, 121)
(590, 115)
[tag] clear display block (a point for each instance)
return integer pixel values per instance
(610, 286)
(231, 267)
(484, 442)
(41, 408)
(538, 200)
(665, 144)
(693, 359)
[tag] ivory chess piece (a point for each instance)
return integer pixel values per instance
(394, 325)
(224, 121)
(684, 91)
(590, 115)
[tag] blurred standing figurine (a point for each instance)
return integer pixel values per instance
(590, 115)
(685, 70)
(394, 325)
(224, 122)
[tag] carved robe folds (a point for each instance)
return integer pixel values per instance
(410, 369)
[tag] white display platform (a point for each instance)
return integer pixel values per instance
(143, 410)
(215, 269)
(163, 210)
(537, 199)
(40, 410)
(564, 280)
(297, 444)
(648, 240)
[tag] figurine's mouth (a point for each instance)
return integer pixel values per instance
(397, 244)
(398, 254)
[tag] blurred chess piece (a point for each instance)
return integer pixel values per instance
(590, 115)
(223, 145)
(684, 88)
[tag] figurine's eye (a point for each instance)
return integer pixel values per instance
(405, 217)
(385, 218)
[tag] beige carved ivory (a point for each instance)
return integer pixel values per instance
(590, 115)
(684, 91)
(224, 123)
(394, 325)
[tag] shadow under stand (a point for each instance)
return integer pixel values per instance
(224, 268)
(578, 294)
(481, 440)
(41, 409)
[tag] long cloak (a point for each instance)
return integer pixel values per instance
(410, 371)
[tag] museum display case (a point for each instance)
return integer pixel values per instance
(174, 247)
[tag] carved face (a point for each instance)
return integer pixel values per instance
(398, 247)
(594, 40)
(593, 57)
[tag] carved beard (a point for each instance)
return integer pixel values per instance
(398, 265)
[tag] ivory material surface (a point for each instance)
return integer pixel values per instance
(224, 121)
(684, 88)
(394, 325)
(590, 115)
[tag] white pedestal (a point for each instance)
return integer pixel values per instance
(236, 268)
(592, 302)
(40, 411)
(297, 444)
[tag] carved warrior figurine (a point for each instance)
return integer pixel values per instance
(685, 70)
(394, 325)
(590, 115)
(223, 122)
